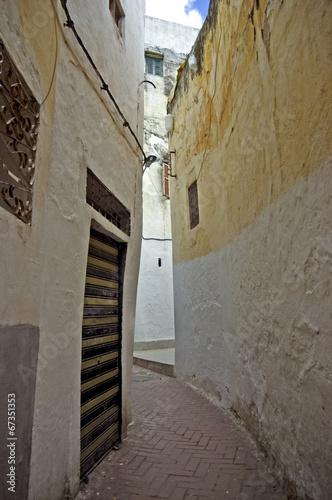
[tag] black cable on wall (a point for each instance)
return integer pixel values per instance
(70, 24)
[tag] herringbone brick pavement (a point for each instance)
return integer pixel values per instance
(180, 446)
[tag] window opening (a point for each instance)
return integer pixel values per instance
(154, 65)
(117, 12)
(193, 205)
(166, 180)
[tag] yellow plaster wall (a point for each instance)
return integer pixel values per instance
(255, 118)
(252, 282)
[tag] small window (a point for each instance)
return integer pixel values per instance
(193, 205)
(166, 180)
(154, 65)
(117, 12)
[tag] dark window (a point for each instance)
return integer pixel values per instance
(193, 205)
(154, 65)
(166, 180)
(117, 12)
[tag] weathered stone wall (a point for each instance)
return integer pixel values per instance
(253, 280)
(43, 266)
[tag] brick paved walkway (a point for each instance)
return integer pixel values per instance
(180, 446)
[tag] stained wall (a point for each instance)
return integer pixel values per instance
(253, 126)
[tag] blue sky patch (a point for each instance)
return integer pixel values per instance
(201, 5)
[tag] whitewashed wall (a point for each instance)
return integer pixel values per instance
(155, 310)
(254, 330)
(43, 266)
(174, 36)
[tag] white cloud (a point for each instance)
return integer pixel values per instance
(175, 11)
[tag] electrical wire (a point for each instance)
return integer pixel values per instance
(70, 24)
(156, 239)
(55, 58)
(153, 184)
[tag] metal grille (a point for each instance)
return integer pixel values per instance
(106, 203)
(101, 343)
(19, 121)
(193, 205)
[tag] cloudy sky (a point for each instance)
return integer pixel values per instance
(189, 12)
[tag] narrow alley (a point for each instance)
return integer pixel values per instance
(166, 185)
(179, 446)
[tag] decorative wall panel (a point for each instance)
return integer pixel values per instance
(106, 203)
(19, 121)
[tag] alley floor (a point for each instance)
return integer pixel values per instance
(180, 446)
